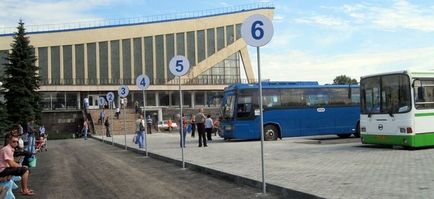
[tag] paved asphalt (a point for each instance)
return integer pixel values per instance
(89, 169)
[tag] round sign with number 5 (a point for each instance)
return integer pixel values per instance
(142, 82)
(123, 91)
(179, 65)
(257, 30)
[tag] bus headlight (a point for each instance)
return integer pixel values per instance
(228, 128)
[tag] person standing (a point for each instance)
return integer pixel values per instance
(85, 128)
(200, 123)
(107, 127)
(31, 131)
(169, 125)
(208, 127)
(8, 166)
(149, 124)
(101, 117)
(140, 127)
(42, 131)
(136, 106)
(182, 123)
(118, 112)
(193, 125)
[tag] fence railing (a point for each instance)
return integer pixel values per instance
(136, 20)
(128, 81)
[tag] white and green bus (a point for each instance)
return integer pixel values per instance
(398, 108)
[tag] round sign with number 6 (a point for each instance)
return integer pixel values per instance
(123, 91)
(257, 30)
(179, 65)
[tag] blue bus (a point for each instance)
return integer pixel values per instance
(290, 109)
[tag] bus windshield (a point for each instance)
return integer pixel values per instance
(385, 94)
(227, 109)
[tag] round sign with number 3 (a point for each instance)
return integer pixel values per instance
(123, 91)
(257, 30)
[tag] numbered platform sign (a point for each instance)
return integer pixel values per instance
(123, 91)
(179, 65)
(101, 101)
(110, 97)
(257, 30)
(142, 82)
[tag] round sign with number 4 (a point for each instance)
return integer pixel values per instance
(123, 91)
(179, 65)
(142, 81)
(257, 30)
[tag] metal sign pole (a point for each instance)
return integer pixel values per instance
(181, 123)
(262, 122)
(111, 122)
(144, 116)
(125, 125)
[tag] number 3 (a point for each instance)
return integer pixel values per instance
(123, 91)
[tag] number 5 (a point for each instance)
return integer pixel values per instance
(179, 66)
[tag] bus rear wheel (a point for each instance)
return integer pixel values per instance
(270, 133)
(357, 133)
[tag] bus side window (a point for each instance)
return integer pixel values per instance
(420, 94)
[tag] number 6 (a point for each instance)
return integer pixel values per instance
(256, 29)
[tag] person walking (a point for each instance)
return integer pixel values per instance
(85, 128)
(149, 124)
(169, 125)
(118, 112)
(107, 127)
(101, 117)
(193, 125)
(182, 129)
(208, 127)
(200, 123)
(140, 128)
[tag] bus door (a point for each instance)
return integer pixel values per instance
(317, 119)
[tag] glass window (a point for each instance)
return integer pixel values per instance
(149, 58)
(424, 93)
(200, 45)
(229, 34)
(79, 64)
(150, 99)
(164, 98)
(228, 107)
(271, 98)
(317, 97)
(159, 51)
(115, 60)
(67, 64)
(126, 53)
(137, 56)
(91, 63)
(191, 48)
(199, 98)
(55, 65)
(170, 53)
(46, 100)
(180, 44)
(246, 104)
(386, 94)
(103, 62)
(238, 31)
(186, 98)
(220, 38)
(339, 96)
(71, 100)
(43, 64)
(210, 37)
(293, 98)
(355, 96)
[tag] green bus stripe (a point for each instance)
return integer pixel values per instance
(424, 114)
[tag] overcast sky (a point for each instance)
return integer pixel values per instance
(313, 40)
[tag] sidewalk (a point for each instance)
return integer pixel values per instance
(334, 169)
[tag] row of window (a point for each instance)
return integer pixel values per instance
(158, 47)
(72, 100)
(297, 97)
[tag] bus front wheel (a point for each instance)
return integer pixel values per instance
(270, 133)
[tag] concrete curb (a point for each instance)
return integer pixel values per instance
(282, 191)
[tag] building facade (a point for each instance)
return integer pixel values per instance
(82, 60)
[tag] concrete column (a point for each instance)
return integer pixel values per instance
(61, 71)
(193, 94)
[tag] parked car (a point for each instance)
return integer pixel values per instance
(162, 125)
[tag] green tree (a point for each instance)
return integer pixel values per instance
(343, 79)
(21, 80)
